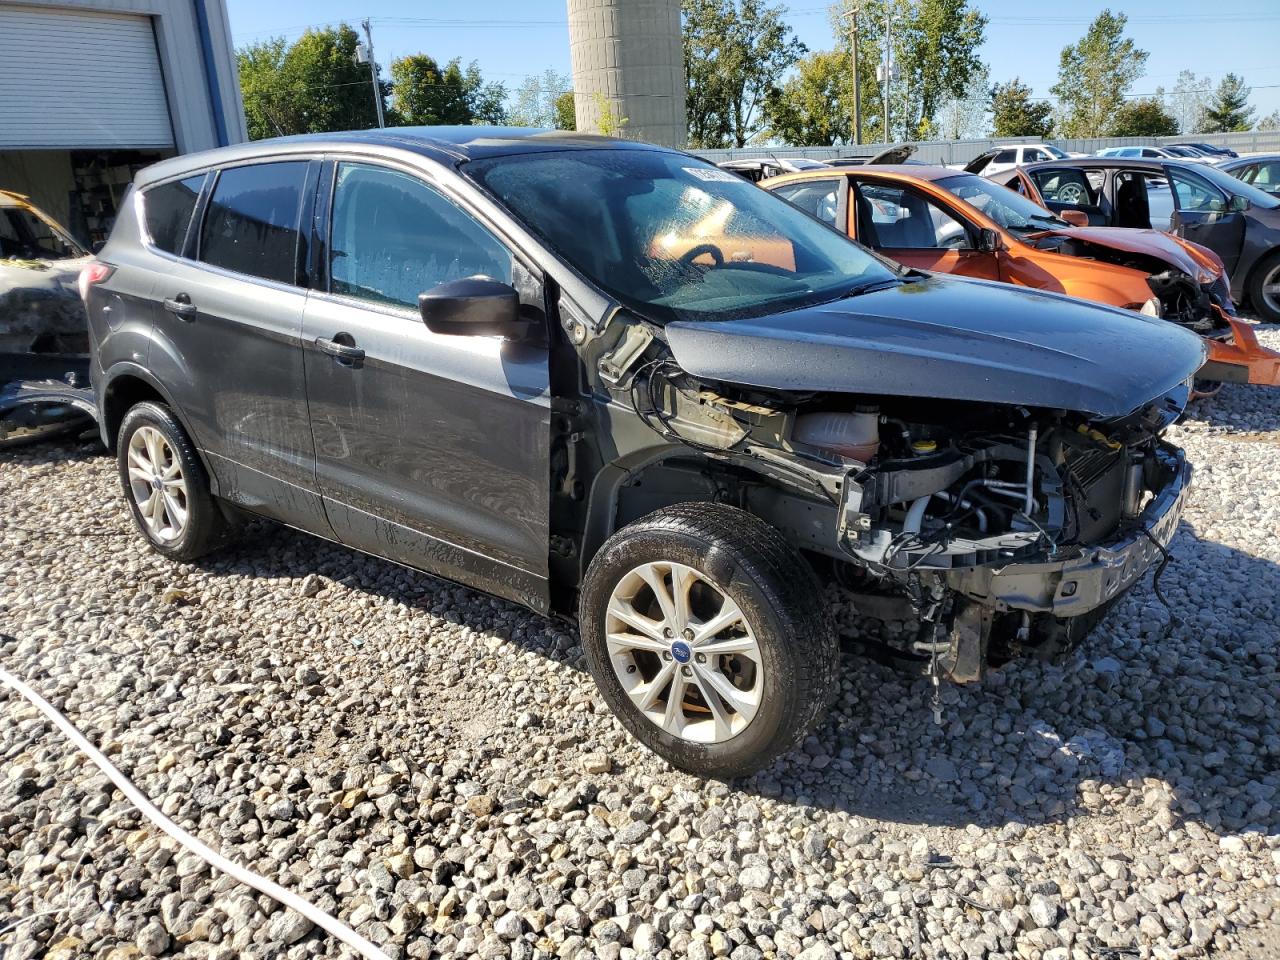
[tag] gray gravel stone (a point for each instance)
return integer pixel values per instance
(428, 762)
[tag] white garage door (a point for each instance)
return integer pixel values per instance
(80, 80)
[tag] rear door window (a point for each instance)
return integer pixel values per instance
(251, 225)
(394, 237)
(1067, 186)
(818, 198)
(1005, 156)
(167, 209)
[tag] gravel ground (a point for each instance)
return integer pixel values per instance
(435, 767)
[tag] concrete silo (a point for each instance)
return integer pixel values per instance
(628, 62)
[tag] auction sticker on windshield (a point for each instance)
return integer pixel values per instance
(712, 173)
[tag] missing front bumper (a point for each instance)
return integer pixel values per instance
(1095, 575)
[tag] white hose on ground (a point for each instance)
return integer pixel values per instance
(149, 810)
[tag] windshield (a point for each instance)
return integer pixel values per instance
(25, 235)
(1008, 209)
(1230, 185)
(675, 238)
(1055, 152)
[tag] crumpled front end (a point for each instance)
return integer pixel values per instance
(1236, 356)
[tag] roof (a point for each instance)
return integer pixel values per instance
(916, 171)
(452, 145)
(1119, 163)
(1246, 159)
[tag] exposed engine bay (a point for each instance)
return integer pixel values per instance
(1008, 530)
(1183, 299)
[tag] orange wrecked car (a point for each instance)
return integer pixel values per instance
(935, 218)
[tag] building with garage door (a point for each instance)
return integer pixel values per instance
(91, 90)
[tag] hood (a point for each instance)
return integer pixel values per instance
(1190, 258)
(951, 339)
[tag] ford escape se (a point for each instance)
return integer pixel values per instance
(477, 352)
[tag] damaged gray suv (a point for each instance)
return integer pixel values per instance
(606, 379)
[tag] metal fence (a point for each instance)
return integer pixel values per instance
(962, 151)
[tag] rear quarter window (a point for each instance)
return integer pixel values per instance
(251, 224)
(167, 209)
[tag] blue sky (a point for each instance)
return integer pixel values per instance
(513, 38)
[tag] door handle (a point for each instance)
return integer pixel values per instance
(347, 354)
(181, 307)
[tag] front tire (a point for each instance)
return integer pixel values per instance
(165, 484)
(707, 636)
(1264, 289)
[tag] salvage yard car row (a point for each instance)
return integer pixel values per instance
(614, 382)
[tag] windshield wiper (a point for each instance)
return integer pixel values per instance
(870, 286)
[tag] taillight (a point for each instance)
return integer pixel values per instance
(94, 272)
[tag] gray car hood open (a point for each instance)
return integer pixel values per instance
(953, 340)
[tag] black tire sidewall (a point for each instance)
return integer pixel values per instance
(203, 517)
(778, 723)
(1256, 280)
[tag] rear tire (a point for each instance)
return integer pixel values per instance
(165, 484)
(1264, 288)
(750, 647)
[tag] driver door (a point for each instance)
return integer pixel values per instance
(431, 450)
(1202, 213)
(908, 227)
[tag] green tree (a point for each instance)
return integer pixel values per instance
(608, 123)
(566, 112)
(1230, 111)
(814, 107)
(535, 99)
(966, 117)
(1187, 101)
(424, 94)
(1015, 114)
(1271, 121)
(734, 52)
(935, 45)
(1095, 74)
(313, 85)
(1146, 117)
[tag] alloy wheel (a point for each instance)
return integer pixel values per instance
(157, 485)
(1271, 288)
(684, 652)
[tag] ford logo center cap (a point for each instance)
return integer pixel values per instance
(681, 651)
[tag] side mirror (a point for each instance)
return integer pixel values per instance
(475, 307)
(1238, 204)
(1077, 218)
(988, 241)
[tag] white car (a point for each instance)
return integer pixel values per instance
(999, 159)
(1152, 153)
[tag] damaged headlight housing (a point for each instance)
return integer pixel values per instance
(1151, 308)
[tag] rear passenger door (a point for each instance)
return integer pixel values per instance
(432, 450)
(824, 200)
(226, 339)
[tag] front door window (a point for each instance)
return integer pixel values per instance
(394, 237)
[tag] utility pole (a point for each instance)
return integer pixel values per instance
(373, 72)
(857, 83)
(888, 69)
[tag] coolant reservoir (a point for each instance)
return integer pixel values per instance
(854, 435)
